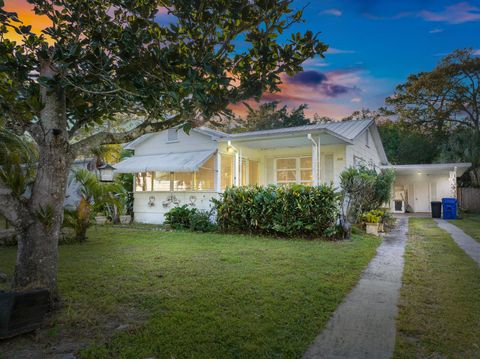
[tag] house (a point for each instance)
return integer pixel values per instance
(174, 168)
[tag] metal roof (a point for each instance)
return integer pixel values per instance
(344, 129)
(165, 162)
(430, 168)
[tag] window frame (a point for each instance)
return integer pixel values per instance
(298, 170)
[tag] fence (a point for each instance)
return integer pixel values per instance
(469, 198)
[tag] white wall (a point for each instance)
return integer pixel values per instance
(144, 213)
(368, 152)
(158, 143)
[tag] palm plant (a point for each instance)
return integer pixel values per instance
(94, 195)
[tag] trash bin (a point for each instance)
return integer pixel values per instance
(436, 209)
(449, 208)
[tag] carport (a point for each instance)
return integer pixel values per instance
(418, 184)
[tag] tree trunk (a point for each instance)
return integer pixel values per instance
(37, 255)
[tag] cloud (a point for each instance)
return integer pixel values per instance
(454, 14)
(334, 12)
(308, 78)
(476, 52)
(356, 100)
(314, 63)
(334, 51)
(435, 31)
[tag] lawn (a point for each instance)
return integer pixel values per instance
(470, 224)
(439, 306)
(199, 295)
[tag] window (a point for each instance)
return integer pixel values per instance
(143, 182)
(253, 177)
(205, 176)
(162, 181)
(183, 181)
(286, 170)
(306, 171)
(294, 170)
(226, 171)
(172, 135)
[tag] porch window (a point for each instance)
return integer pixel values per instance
(226, 171)
(253, 177)
(143, 182)
(162, 181)
(201, 180)
(294, 170)
(205, 176)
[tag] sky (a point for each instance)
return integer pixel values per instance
(374, 46)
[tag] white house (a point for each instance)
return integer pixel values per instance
(174, 168)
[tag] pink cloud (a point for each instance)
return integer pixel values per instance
(453, 14)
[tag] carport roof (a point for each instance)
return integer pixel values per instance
(433, 168)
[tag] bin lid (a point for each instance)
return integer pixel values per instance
(449, 200)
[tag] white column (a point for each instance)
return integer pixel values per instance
(315, 164)
(319, 156)
(236, 172)
(218, 172)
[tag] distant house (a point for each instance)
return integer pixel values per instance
(174, 168)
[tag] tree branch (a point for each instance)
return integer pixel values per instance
(106, 138)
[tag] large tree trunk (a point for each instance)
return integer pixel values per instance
(37, 255)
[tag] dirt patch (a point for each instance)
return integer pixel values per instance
(60, 341)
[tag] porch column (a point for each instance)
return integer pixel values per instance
(453, 182)
(218, 172)
(319, 156)
(314, 164)
(236, 172)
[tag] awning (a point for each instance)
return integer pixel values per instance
(165, 162)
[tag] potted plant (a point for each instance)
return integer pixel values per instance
(372, 221)
(100, 218)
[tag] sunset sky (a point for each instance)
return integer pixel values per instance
(374, 45)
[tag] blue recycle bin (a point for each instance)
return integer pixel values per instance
(449, 208)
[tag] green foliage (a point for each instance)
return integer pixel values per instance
(179, 217)
(443, 105)
(18, 158)
(189, 218)
(404, 145)
(373, 216)
(267, 117)
(189, 66)
(290, 211)
(200, 222)
(364, 189)
(94, 196)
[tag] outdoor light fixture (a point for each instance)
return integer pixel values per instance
(106, 173)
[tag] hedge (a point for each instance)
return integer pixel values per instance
(289, 211)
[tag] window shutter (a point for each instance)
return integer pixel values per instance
(172, 135)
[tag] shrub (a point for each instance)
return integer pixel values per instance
(179, 217)
(200, 222)
(295, 210)
(363, 190)
(189, 218)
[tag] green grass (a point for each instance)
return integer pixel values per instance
(439, 313)
(203, 295)
(470, 224)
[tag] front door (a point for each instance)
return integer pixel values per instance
(422, 202)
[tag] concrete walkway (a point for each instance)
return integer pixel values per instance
(363, 326)
(464, 241)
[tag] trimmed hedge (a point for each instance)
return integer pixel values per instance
(289, 211)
